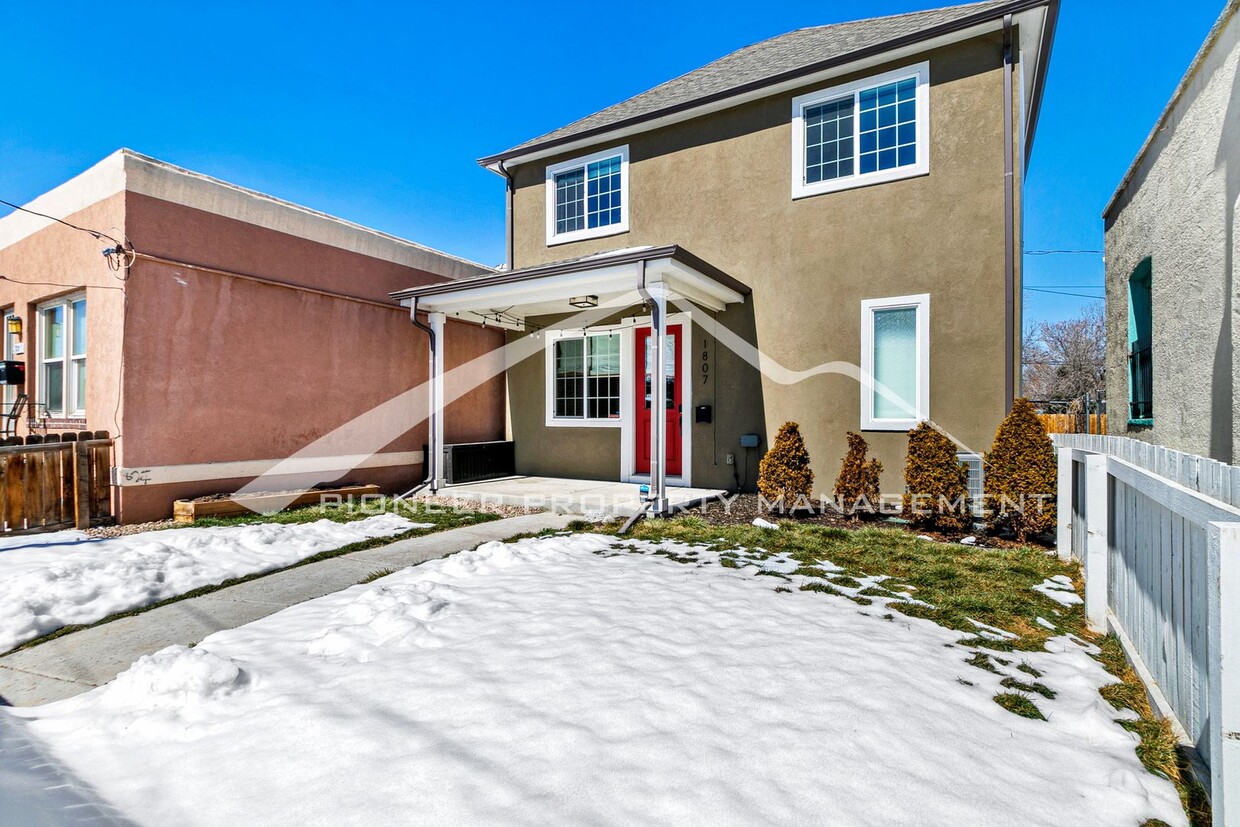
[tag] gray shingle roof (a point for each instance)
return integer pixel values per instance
(768, 59)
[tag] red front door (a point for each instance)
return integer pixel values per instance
(644, 396)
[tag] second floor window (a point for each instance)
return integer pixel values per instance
(62, 357)
(1140, 346)
(588, 197)
(861, 133)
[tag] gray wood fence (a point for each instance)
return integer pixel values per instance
(1158, 535)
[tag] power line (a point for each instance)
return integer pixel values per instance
(117, 255)
(1062, 293)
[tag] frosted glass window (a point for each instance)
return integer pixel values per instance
(895, 363)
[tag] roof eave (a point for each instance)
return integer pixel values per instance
(1015, 7)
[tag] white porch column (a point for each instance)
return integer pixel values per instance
(435, 451)
(658, 398)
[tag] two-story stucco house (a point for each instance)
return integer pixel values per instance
(822, 227)
(1173, 376)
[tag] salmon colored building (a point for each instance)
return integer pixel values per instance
(234, 340)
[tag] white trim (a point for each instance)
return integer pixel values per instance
(628, 404)
(921, 73)
(208, 471)
(553, 170)
(921, 302)
(550, 419)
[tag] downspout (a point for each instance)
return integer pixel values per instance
(431, 460)
(1009, 221)
(508, 194)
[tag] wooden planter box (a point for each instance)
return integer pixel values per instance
(186, 511)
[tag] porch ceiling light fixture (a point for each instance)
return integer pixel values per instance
(15, 325)
(584, 301)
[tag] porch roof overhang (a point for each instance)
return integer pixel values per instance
(615, 279)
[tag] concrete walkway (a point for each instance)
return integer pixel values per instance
(78, 662)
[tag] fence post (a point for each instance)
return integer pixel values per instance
(1224, 670)
(1063, 502)
(1097, 541)
(81, 485)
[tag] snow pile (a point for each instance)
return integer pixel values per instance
(1060, 589)
(54, 580)
(176, 677)
(583, 679)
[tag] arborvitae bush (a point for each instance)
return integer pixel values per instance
(938, 482)
(1021, 475)
(784, 475)
(857, 485)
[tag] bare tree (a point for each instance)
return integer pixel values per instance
(1066, 360)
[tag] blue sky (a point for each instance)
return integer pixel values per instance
(376, 112)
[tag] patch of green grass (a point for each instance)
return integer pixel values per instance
(1019, 705)
(580, 526)
(821, 587)
(1020, 686)
(982, 661)
(846, 581)
(1029, 670)
(375, 575)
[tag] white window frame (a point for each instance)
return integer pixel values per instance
(800, 189)
(554, 421)
(921, 302)
(74, 408)
(554, 238)
(9, 394)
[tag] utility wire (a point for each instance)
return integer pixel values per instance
(99, 236)
(1062, 293)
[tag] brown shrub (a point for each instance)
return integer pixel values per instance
(858, 479)
(784, 474)
(1021, 475)
(937, 496)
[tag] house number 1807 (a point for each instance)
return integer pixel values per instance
(705, 362)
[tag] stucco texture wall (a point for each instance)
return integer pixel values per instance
(221, 369)
(1179, 210)
(720, 187)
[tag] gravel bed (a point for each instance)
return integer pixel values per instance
(464, 504)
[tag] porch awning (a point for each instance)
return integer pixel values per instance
(613, 279)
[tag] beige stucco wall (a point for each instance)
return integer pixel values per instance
(720, 187)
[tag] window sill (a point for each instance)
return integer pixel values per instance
(886, 176)
(585, 235)
(890, 424)
(557, 422)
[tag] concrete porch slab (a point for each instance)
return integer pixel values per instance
(596, 499)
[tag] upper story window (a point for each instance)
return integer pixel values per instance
(588, 197)
(62, 357)
(862, 133)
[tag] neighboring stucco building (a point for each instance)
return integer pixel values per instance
(1171, 247)
(831, 221)
(234, 331)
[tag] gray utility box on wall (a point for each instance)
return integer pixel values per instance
(12, 373)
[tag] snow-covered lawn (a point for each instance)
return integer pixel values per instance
(581, 679)
(48, 581)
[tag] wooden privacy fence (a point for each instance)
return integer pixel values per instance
(1158, 536)
(55, 484)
